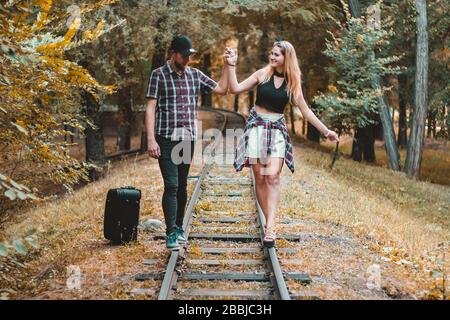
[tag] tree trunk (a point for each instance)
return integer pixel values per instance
(95, 145)
(378, 127)
(354, 8)
(393, 116)
(312, 133)
(251, 99)
(125, 119)
(363, 146)
(401, 136)
(144, 142)
(369, 145)
(236, 103)
(158, 60)
(388, 129)
(159, 56)
(207, 94)
(447, 119)
(357, 147)
(264, 46)
(434, 125)
(416, 137)
(429, 124)
(292, 121)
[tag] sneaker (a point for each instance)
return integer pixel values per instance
(180, 235)
(172, 242)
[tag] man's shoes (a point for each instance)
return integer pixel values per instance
(180, 235)
(172, 242)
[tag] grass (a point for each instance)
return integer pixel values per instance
(403, 219)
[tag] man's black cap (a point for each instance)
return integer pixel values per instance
(183, 45)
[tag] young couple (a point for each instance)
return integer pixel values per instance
(171, 116)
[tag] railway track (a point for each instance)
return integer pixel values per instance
(224, 257)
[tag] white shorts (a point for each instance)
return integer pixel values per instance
(255, 139)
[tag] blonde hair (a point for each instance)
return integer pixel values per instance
(291, 70)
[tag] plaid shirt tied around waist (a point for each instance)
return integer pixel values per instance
(177, 95)
(242, 160)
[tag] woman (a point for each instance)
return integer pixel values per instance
(266, 145)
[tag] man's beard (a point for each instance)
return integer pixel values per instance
(179, 66)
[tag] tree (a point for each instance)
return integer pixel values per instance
(416, 137)
(388, 129)
(39, 89)
(352, 101)
(439, 71)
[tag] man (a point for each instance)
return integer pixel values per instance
(171, 119)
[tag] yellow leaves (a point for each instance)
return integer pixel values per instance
(42, 17)
(203, 206)
(20, 125)
(7, 179)
(195, 251)
(332, 88)
(39, 92)
(44, 4)
(72, 30)
(88, 35)
(91, 35)
(56, 48)
(359, 39)
(283, 243)
(97, 5)
(45, 149)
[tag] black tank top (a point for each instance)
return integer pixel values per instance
(271, 98)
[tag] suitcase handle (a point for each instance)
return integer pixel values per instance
(128, 187)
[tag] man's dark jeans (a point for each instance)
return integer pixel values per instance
(174, 172)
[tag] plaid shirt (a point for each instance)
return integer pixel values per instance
(254, 120)
(177, 95)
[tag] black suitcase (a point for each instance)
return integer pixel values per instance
(122, 215)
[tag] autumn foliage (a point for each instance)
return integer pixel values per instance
(40, 92)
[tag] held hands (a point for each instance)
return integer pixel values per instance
(332, 136)
(230, 56)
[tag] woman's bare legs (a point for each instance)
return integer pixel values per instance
(268, 187)
(260, 187)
